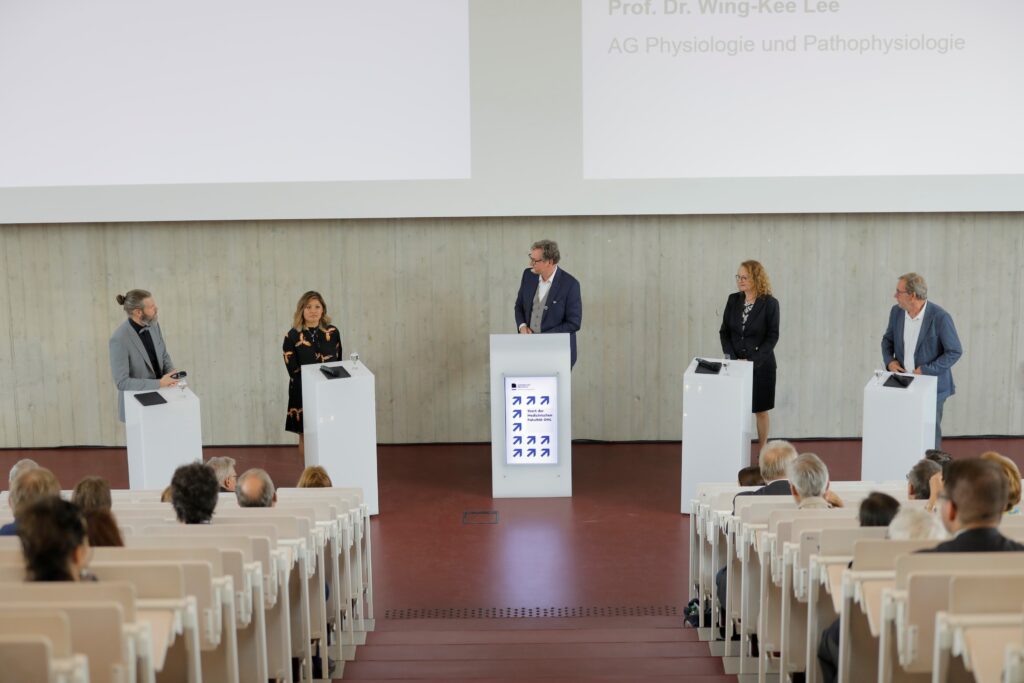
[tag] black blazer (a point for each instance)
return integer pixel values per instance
(779, 487)
(757, 342)
(563, 306)
(983, 540)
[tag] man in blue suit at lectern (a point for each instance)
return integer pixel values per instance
(549, 298)
(922, 339)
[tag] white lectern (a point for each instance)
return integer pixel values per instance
(340, 426)
(161, 437)
(716, 425)
(531, 416)
(899, 426)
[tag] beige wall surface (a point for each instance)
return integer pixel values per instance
(418, 298)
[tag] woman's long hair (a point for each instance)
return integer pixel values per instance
(299, 322)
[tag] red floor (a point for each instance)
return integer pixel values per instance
(619, 542)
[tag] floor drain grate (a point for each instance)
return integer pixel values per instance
(531, 612)
(480, 517)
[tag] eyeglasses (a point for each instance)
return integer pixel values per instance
(534, 261)
(901, 291)
(742, 278)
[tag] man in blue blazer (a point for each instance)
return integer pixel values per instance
(138, 355)
(549, 298)
(922, 339)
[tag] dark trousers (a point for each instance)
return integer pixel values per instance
(721, 584)
(938, 420)
(828, 653)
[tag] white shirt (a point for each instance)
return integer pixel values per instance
(911, 331)
(542, 292)
(544, 287)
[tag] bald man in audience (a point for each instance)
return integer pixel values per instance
(773, 460)
(30, 485)
(255, 489)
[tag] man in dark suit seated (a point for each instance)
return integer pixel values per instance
(775, 457)
(971, 507)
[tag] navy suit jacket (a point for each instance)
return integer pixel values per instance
(938, 346)
(563, 307)
(779, 487)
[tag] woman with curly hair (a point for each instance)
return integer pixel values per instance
(750, 330)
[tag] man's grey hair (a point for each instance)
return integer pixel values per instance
(548, 250)
(911, 524)
(22, 465)
(915, 285)
(223, 466)
(920, 476)
(808, 475)
(774, 458)
(265, 497)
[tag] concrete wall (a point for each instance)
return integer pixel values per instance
(418, 298)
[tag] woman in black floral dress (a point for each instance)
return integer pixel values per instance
(312, 339)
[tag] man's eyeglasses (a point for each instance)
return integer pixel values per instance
(534, 261)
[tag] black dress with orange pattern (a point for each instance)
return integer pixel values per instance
(302, 347)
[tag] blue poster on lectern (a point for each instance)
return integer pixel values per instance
(531, 420)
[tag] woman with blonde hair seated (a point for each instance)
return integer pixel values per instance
(1012, 477)
(314, 478)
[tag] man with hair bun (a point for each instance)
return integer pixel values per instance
(138, 356)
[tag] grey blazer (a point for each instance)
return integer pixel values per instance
(130, 364)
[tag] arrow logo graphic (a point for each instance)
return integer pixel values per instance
(545, 452)
(544, 400)
(516, 400)
(517, 440)
(531, 439)
(517, 426)
(545, 439)
(530, 400)
(517, 413)
(517, 452)
(531, 452)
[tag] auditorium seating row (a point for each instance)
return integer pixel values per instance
(904, 616)
(233, 600)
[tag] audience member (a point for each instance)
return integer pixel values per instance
(971, 507)
(750, 476)
(30, 485)
(315, 477)
(878, 509)
(53, 540)
(1012, 480)
(18, 468)
(194, 493)
(919, 479)
(772, 463)
(255, 489)
(92, 493)
(224, 469)
(911, 524)
(102, 529)
(808, 482)
(939, 457)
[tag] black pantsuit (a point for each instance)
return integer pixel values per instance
(754, 341)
